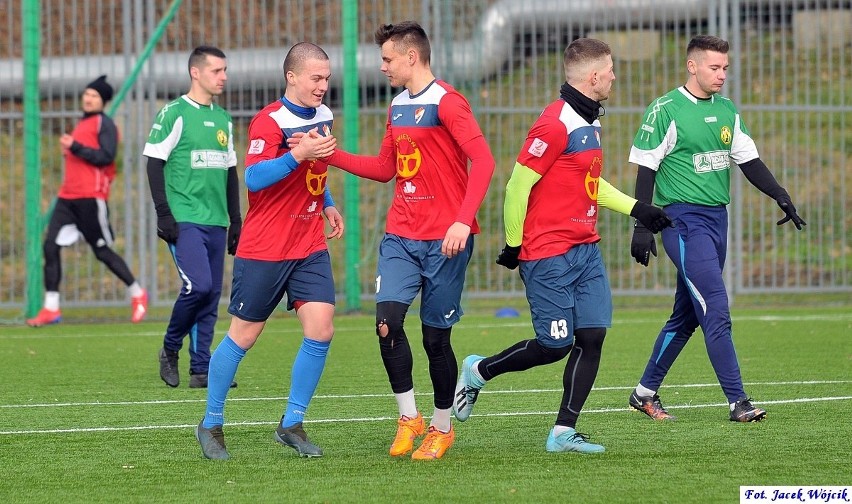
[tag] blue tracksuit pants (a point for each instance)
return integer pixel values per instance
(697, 246)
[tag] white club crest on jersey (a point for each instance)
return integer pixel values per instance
(418, 114)
(537, 147)
(256, 146)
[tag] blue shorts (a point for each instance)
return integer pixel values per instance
(567, 292)
(259, 286)
(406, 266)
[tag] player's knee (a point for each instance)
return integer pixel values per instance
(201, 287)
(50, 248)
(590, 339)
(325, 333)
(102, 253)
(390, 317)
(549, 355)
(436, 340)
(318, 330)
(382, 329)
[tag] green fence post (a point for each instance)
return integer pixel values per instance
(350, 143)
(145, 55)
(31, 25)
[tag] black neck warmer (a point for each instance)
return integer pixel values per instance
(587, 108)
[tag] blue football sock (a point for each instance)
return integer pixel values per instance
(223, 367)
(307, 369)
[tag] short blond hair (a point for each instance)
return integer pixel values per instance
(580, 54)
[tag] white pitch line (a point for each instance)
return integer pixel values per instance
(382, 419)
(370, 396)
(29, 333)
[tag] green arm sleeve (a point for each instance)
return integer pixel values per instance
(515, 205)
(612, 198)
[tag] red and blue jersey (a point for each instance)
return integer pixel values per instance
(284, 221)
(425, 132)
(563, 209)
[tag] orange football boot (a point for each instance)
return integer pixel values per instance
(409, 429)
(435, 444)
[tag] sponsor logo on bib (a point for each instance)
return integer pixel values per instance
(704, 162)
(537, 147)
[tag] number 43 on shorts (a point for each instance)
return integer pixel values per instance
(559, 329)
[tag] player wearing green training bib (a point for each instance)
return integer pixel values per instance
(196, 141)
(192, 171)
(690, 143)
(684, 148)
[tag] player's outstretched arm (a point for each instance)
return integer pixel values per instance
(381, 168)
(653, 218)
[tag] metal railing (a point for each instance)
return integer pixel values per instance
(793, 88)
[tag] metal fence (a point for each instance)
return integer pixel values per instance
(790, 76)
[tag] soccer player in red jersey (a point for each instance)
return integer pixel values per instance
(550, 215)
(282, 248)
(431, 134)
(81, 206)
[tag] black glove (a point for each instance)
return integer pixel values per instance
(167, 228)
(651, 217)
(787, 205)
(234, 236)
(509, 257)
(643, 245)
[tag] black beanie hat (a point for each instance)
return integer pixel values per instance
(100, 85)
